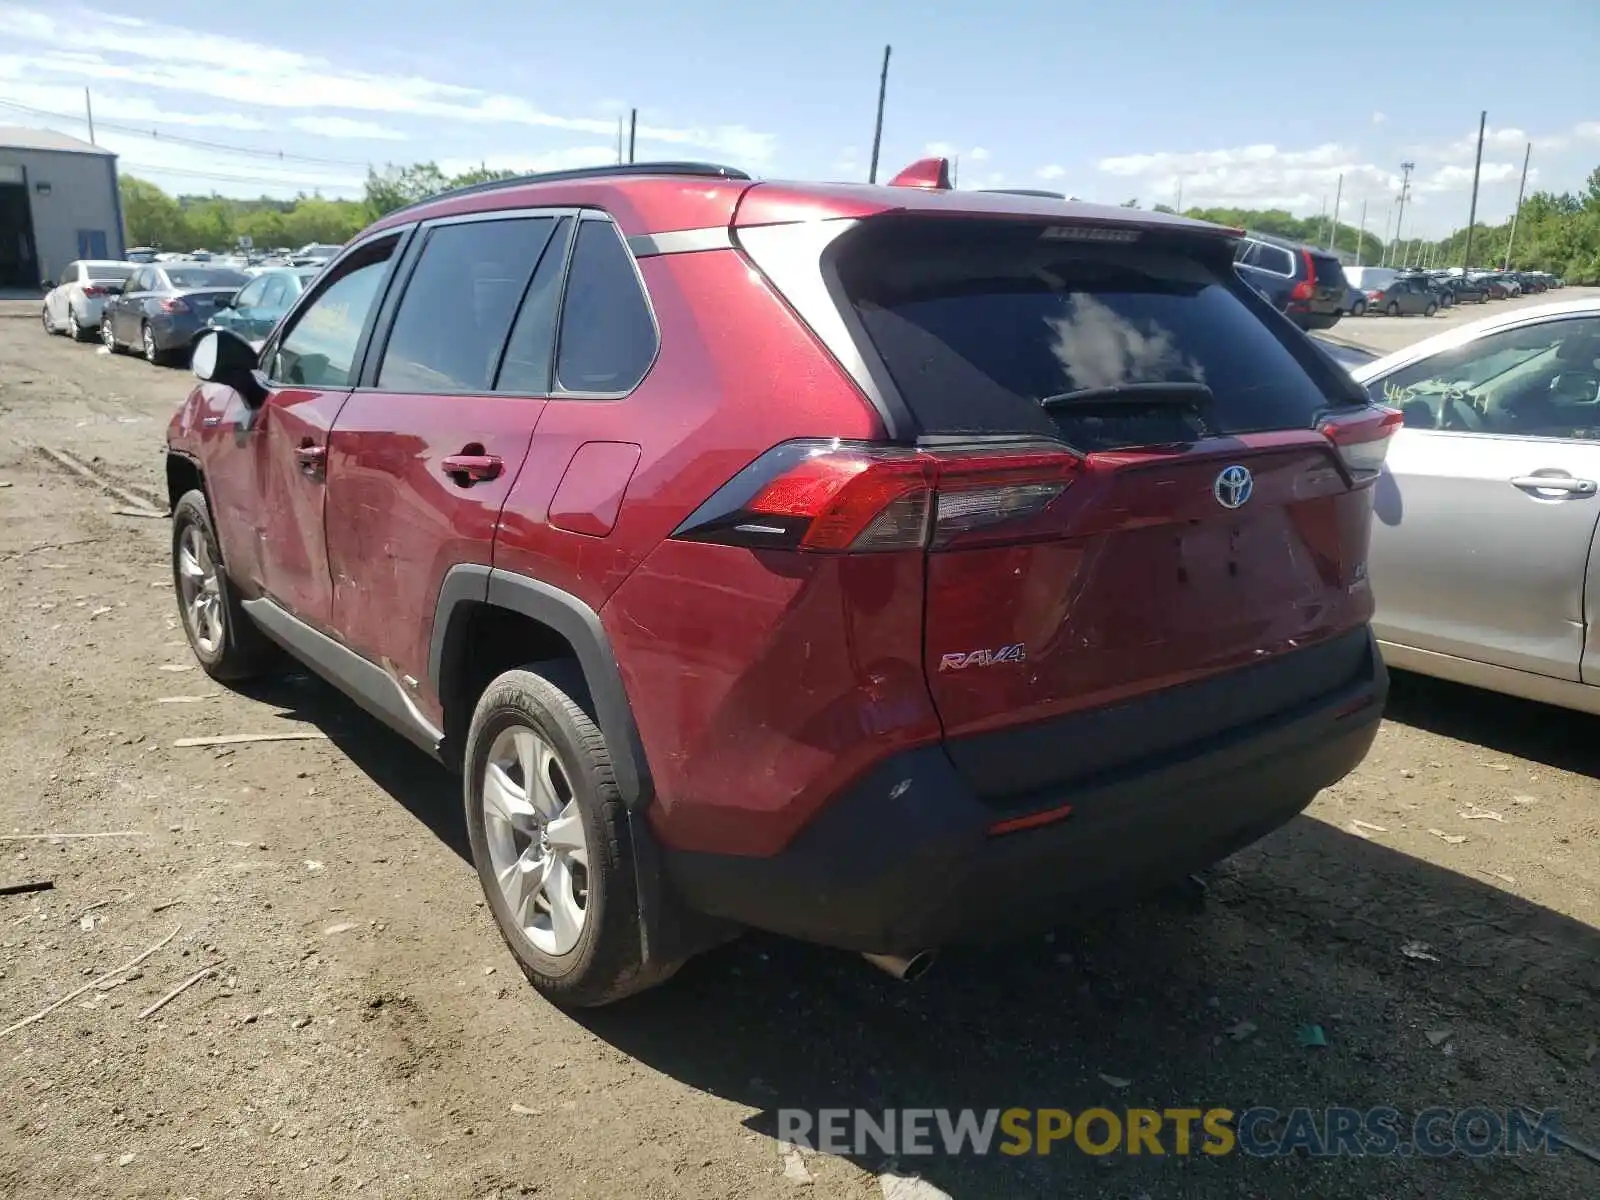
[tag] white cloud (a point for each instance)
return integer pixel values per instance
(1459, 179)
(1379, 118)
(1261, 175)
(346, 127)
(978, 154)
(1051, 172)
(112, 106)
(80, 47)
(940, 150)
(1587, 131)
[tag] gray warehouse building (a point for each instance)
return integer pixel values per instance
(58, 202)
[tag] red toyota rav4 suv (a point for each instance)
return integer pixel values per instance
(880, 566)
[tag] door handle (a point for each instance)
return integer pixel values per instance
(1555, 483)
(468, 469)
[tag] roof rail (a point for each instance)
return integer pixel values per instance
(1040, 193)
(697, 170)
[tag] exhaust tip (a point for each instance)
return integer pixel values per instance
(907, 970)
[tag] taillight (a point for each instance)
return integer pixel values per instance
(1362, 438)
(834, 496)
(1306, 288)
(92, 290)
(174, 304)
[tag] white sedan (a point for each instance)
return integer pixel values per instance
(1483, 556)
(74, 304)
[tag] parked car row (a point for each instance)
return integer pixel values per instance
(1397, 292)
(160, 307)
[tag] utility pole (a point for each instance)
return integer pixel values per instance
(877, 125)
(88, 110)
(1361, 238)
(1178, 207)
(955, 172)
(633, 130)
(1388, 221)
(1338, 195)
(1526, 155)
(619, 138)
(1472, 213)
(1405, 190)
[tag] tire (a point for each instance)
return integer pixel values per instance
(74, 330)
(1431, 309)
(1394, 308)
(532, 729)
(230, 647)
(108, 338)
(147, 346)
(1360, 309)
(44, 316)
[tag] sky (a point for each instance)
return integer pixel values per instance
(1248, 104)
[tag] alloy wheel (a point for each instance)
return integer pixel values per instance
(538, 850)
(74, 331)
(149, 340)
(106, 336)
(201, 591)
(44, 315)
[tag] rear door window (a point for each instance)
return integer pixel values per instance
(1276, 259)
(459, 304)
(608, 336)
(977, 327)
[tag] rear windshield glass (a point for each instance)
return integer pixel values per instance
(204, 277)
(1329, 271)
(977, 327)
(108, 272)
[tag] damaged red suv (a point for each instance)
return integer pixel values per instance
(882, 566)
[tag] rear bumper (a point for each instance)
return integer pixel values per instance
(905, 860)
(1307, 319)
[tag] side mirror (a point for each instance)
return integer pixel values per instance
(229, 301)
(222, 356)
(47, 285)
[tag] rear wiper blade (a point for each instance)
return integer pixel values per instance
(1179, 394)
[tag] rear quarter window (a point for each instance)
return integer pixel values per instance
(975, 332)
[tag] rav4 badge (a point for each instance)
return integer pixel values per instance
(984, 658)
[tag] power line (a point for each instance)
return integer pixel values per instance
(180, 139)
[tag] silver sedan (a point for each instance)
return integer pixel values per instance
(1485, 518)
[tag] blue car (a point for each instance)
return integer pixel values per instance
(256, 308)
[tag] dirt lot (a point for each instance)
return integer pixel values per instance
(364, 1032)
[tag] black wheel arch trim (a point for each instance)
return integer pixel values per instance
(573, 620)
(668, 930)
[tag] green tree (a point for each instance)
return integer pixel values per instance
(150, 216)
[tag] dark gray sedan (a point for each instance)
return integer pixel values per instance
(163, 307)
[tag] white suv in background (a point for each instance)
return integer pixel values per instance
(73, 305)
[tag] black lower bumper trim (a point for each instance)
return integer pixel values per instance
(905, 860)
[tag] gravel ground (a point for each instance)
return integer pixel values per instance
(363, 1032)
